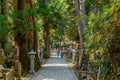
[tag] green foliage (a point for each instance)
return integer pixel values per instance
(23, 18)
(72, 20)
(4, 26)
(99, 27)
(102, 33)
(89, 5)
(56, 14)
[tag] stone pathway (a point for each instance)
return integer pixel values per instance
(55, 69)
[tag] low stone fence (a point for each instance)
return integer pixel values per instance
(6, 74)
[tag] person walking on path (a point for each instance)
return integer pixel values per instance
(62, 54)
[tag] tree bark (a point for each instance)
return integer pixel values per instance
(35, 44)
(4, 11)
(21, 36)
(46, 34)
(4, 8)
(80, 11)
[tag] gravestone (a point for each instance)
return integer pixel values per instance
(2, 56)
(1, 53)
(1, 68)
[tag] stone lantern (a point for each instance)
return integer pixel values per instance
(32, 56)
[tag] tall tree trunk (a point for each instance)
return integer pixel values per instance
(46, 34)
(35, 44)
(0, 7)
(80, 11)
(4, 8)
(21, 36)
(4, 11)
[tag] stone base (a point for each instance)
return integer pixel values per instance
(31, 72)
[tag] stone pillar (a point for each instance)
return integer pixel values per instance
(73, 56)
(32, 56)
(41, 54)
(68, 52)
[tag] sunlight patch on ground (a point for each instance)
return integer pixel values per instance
(47, 79)
(56, 64)
(54, 56)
